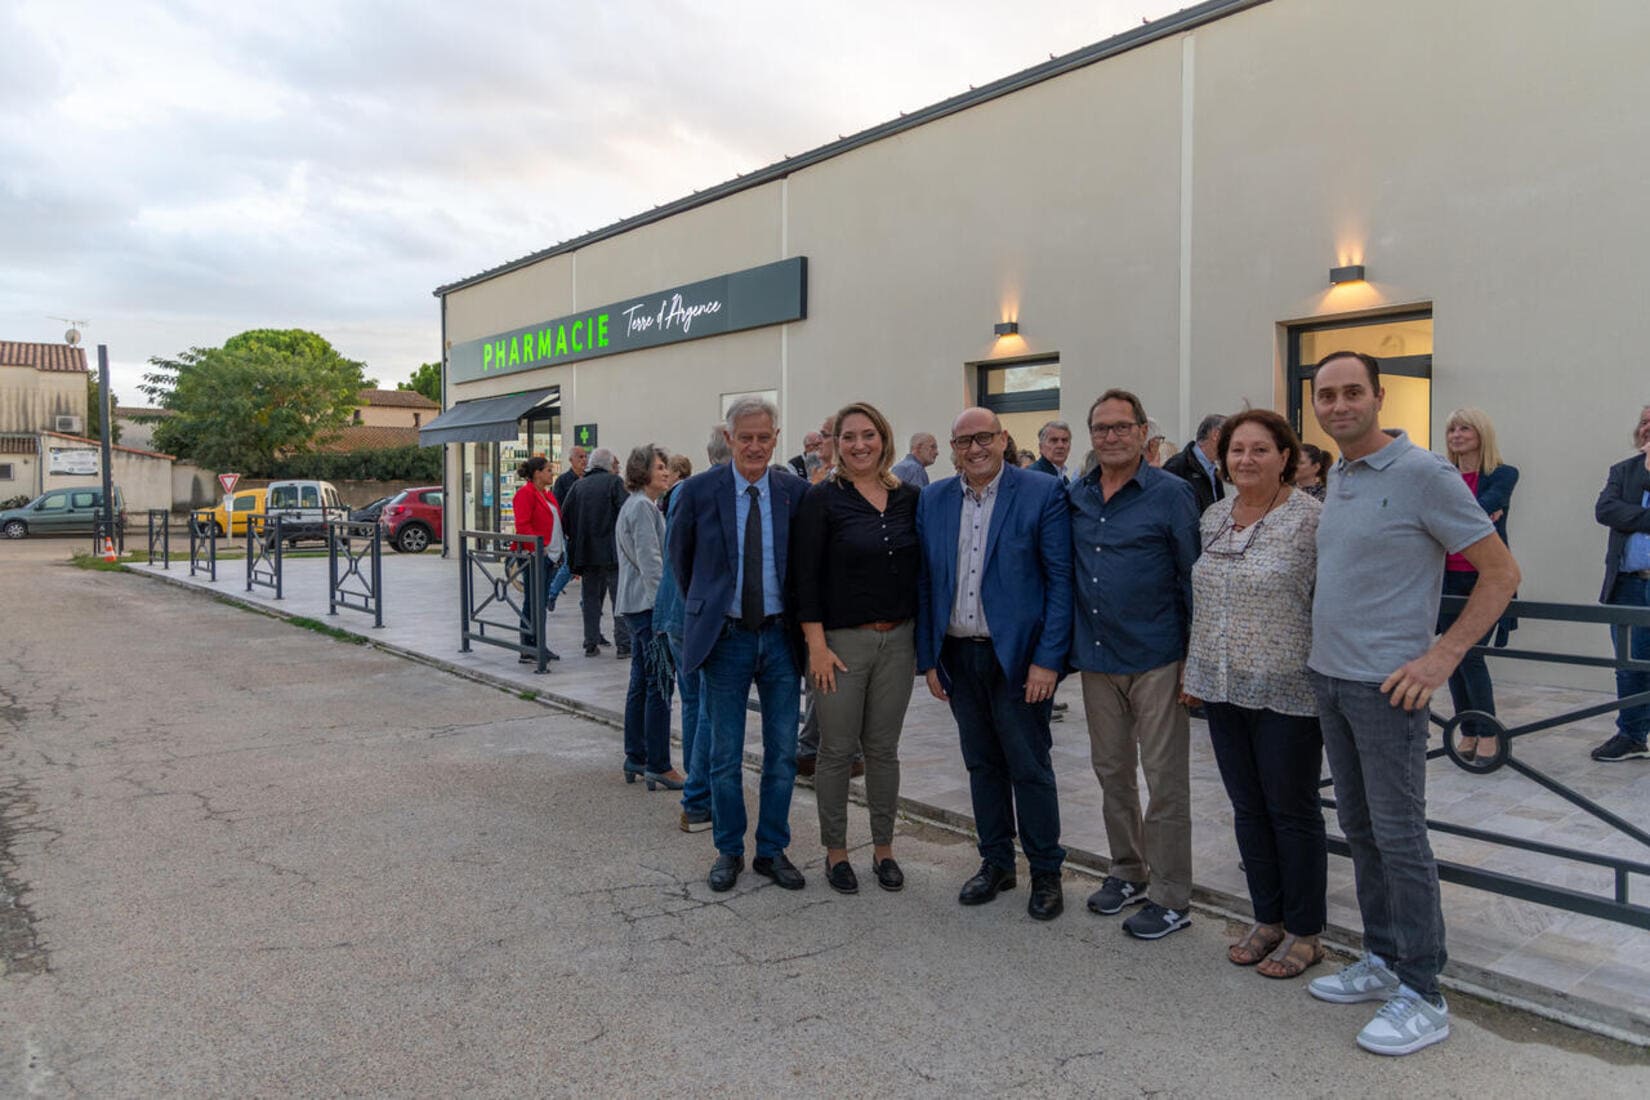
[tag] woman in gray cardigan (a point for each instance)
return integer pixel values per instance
(639, 538)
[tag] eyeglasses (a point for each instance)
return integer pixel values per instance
(978, 439)
(1101, 431)
(1229, 533)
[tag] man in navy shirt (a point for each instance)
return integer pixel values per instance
(1135, 536)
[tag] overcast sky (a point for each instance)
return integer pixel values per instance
(175, 173)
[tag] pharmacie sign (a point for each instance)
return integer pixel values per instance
(768, 295)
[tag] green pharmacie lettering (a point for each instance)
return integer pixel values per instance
(547, 344)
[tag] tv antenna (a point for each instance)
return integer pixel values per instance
(72, 337)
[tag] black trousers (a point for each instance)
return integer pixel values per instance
(599, 584)
(1271, 764)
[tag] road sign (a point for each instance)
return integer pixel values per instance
(584, 435)
(228, 482)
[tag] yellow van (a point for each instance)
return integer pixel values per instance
(239, 506)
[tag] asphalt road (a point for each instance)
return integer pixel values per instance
(244, 858)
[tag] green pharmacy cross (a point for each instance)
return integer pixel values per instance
(585, 435)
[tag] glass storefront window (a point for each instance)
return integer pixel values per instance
(1402, 345)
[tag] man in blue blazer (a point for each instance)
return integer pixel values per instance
(993, 628)
(1624, 508)
(729, 548)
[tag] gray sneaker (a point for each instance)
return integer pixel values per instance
(1368, 979)
(695, 821)
(1114, 893)
(1405, 1024)
(1155, 921)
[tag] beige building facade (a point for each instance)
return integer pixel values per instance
(1162, 212)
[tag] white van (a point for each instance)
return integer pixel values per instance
(304, 508)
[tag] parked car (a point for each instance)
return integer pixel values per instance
(60, 512)
(372, 512)
(304, 508)
(412, 519)
(229, 517)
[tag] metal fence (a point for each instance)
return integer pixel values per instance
(1617, 906)
(263, 552)
(350, 546)
(503, 581)
(203, 543)
(160, 534)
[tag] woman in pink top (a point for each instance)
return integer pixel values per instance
(1469, 437)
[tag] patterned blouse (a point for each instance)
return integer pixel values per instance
(1252, 608)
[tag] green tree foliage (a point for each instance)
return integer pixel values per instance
(94, 412)
(425, 380)
(265, 393)
(390, 464)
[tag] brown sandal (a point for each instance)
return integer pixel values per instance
(1256, 944)
(1284, 963)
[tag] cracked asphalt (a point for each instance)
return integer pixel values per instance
(243, 858)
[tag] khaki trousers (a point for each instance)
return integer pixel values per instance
(1137, 722)
(864, 715)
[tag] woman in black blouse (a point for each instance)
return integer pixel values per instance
(854, 554)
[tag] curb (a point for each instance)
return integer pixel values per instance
(1464, 978)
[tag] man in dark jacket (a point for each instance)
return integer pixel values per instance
(1624, 507)
(577, 459)
(589, 514)
(1197, 462)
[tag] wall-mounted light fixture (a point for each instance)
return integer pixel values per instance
(1351, 273)
(1006, 328)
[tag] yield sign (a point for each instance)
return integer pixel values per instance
(228, 482)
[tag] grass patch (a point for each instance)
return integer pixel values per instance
(330, 631)
(527, 695)
(83, 560)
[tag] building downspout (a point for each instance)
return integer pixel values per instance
(454, 510)
(1188, 65)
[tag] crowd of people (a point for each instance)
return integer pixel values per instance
(1289, 596)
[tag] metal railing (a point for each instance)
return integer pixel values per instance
(203, 543)
(160, 533)
(503, 582)
(263, 552)
(352, 544)
(1618, 906)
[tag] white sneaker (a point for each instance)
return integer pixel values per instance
(1405, 1024)
(1368, 979)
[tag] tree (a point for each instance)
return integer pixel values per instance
(265, 393)
(425, 380)
(94, 412)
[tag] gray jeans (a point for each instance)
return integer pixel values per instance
(866, 713)
(1378, 757)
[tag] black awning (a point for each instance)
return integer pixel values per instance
(487, 419)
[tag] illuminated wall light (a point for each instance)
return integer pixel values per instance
(1352, 273)
(1006, 328)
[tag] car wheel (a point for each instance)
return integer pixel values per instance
(414, 538)
(16, 529)
(217, 530)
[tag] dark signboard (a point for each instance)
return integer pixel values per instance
(768, 295)
(584, 435)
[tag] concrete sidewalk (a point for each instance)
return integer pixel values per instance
(1568, 966)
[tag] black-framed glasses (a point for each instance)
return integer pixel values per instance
(1101, 431)
(978, 439)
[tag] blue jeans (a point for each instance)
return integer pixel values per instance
(1270, 764)
(646, 706)
(1469, 685)
(739, 659)
(695, 733)
(528, 636)
(564, 574)
(1378, 756)
(1005, 745)
(1633, 722)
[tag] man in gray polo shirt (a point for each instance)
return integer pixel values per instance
(1391, 514)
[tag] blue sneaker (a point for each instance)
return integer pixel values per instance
(1621, 747)
(1405, 1024)
(1368, 979)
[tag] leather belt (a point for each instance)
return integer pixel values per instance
(767, 620)
(1641, 574)
(883, 628)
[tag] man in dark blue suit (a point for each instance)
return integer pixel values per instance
(1624, 507)
(729, 547)
(993, 628)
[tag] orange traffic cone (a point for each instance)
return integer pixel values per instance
(109, 549)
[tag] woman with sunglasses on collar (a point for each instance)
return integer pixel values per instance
(1251, 634)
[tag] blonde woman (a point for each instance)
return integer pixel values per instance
(856, 558)
(1469, 438)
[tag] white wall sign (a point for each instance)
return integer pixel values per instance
(73, 460)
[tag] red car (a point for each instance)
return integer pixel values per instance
(412, 518)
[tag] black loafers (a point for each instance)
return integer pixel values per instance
(888, 874)
(781, 870)
(841, 878)
(725, 872)
(986, 885)
(1048, 900)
